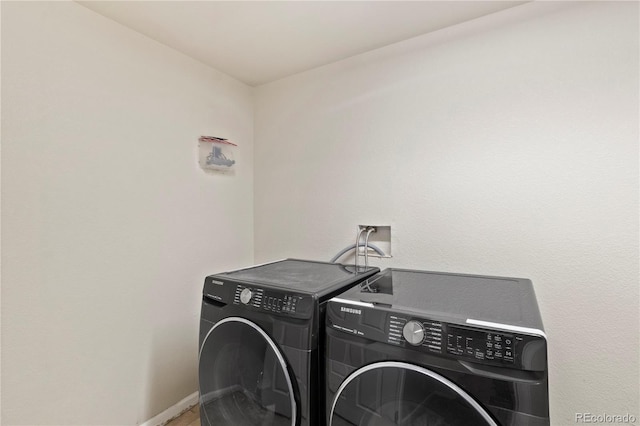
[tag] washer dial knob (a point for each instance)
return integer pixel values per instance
(245, 296)
(413, 332)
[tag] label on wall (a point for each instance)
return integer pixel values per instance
(216, 154)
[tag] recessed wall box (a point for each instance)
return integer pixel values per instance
(380, 237)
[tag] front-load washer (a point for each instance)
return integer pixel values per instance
(410, 348)
(260, 342)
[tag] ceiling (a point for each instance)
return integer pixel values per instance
(261, 41)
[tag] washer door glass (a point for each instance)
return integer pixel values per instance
(401, 394)
(243, 377)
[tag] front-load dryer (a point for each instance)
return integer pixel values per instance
(260, 342)
(409, 348)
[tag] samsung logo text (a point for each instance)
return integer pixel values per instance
(350, 310)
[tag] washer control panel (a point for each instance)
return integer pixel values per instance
(484, 345)
(463, 342)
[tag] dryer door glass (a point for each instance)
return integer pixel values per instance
(244, 380)
(401, 394)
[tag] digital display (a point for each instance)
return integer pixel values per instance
(480, 345)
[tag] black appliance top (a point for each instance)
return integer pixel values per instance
(448, 296)
(304, 276)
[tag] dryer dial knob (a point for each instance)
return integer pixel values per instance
(413, 332)
(245, 296)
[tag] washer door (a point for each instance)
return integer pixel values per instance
(244, 378)
(400, 394)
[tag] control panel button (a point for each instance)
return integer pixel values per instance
(413, 332)
(245, 296)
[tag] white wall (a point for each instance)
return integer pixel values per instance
(109, 226)
(507, 145)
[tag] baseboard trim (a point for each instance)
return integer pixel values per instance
(173, 411)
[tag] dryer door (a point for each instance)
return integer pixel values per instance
(244, 380)
(400, 394)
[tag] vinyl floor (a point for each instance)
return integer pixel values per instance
(191, 417)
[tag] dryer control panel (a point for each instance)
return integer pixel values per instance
(270, 300)
(257, 298)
